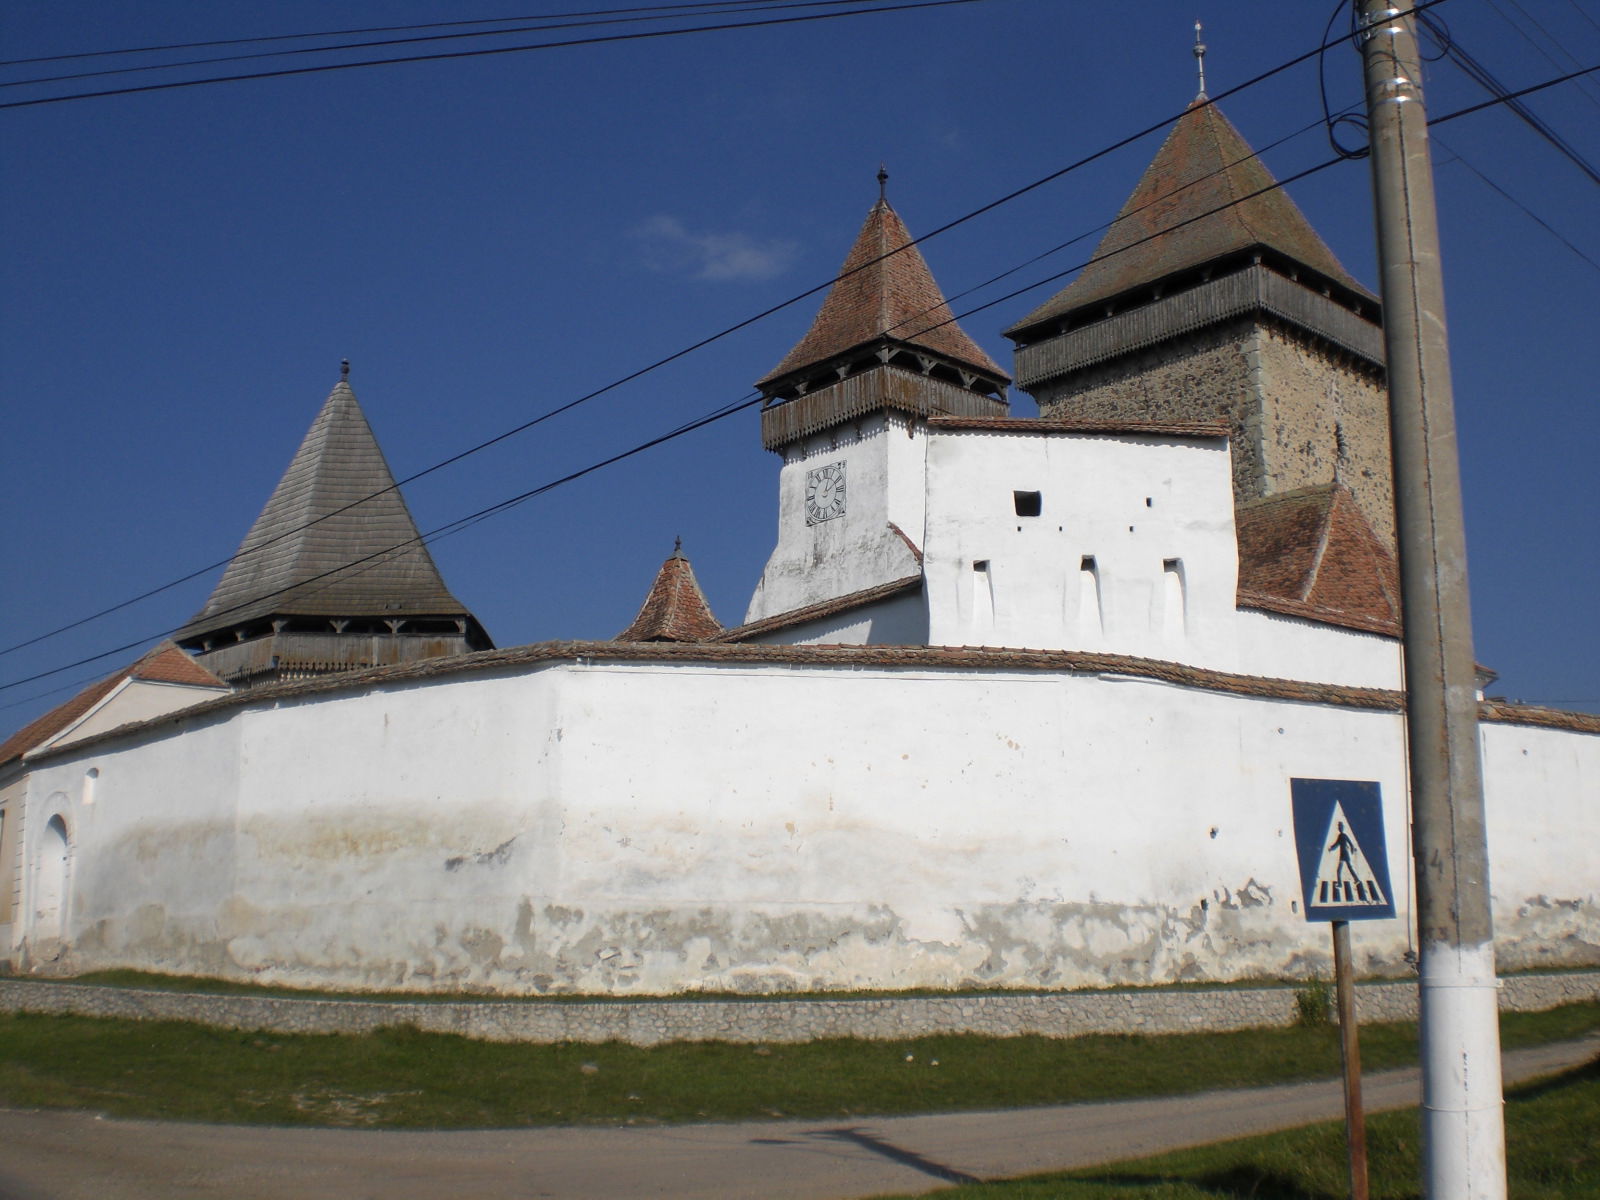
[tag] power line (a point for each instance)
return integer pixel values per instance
(285, 37)
(734, 6)
(453, 54)
(1481, 75)
(685, 351)
(1529, 19)
(738, 406)
(1528, 212)
(689, 427)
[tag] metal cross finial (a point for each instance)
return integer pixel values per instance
(1200, 58)
(344, 368)
(677, 547)
(883, 184)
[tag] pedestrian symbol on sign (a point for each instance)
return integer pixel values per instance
(1338, 833)
(1345, 877)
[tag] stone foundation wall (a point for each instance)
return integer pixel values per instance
(651, 1023)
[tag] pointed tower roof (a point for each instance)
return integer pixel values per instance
(676, 608)
(1311, 553)
(884, 293)
(336, 505)
(1204, 167)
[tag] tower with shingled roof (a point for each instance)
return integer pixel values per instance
(1212, 297)
(333, 576)
(847, 410)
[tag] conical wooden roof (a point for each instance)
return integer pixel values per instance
(1204, 167)
(335, 506)
(676, 608)
(884, 292)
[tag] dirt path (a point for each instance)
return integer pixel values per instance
(78, 1156)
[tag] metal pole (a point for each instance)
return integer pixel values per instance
(1463, 1130)
(1355, 1119)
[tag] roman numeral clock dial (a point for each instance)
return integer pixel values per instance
(824, 493)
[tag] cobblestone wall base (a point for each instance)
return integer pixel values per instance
(652, 1022)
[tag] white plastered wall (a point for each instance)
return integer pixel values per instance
(883, 459)
(660, 827)
(1149, 518)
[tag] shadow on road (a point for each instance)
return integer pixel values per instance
(889, 1150)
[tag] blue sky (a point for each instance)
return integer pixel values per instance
(488, 238)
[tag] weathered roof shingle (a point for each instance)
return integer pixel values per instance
(1204, 167)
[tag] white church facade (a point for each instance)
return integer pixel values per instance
(1016, 701)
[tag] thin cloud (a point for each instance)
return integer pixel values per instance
(718, 257)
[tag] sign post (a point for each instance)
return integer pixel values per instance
(1344, 877)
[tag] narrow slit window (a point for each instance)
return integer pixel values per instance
(1028, 504)
(1091, 615)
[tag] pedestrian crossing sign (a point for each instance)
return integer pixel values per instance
(1338, 835)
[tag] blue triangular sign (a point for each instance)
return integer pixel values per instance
(1338, 836)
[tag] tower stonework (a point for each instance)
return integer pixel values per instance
(1211, 298)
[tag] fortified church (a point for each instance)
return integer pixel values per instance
(1016, 701)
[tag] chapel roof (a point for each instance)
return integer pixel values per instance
(165, 663)
(1311, 553)
(884, 292)
(336, 507)
(675, 610)
(1205, 196)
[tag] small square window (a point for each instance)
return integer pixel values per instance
(1029, 504)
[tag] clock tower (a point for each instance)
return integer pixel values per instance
(847, 410)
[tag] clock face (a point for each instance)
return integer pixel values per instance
(825, 493)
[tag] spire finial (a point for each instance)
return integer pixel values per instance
(1200, 59)
(344, 369)
(677, 547)
(883, 184)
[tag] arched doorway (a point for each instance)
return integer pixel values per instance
(50, 880)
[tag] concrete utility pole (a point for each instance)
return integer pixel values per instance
(1463, 1129)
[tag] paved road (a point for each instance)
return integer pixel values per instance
(76, 1156)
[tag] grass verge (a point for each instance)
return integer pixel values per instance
(1552, 1153)
(400, 1078)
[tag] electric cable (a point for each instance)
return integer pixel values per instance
(1482, 76)
(1457, 156)
(737, 6)
(662, 362)
(1529, 19)
(719, 414)
(612, 38)
(285, 37)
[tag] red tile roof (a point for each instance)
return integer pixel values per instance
(1310, 553)
(884, 291)
(910, 658)
(829, 608)
(675, 610)
(164, 664)
(1204, 167)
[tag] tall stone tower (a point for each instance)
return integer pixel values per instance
(333, 575)
(1211, 297)
(847, 409)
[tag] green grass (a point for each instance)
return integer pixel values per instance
(154, 981)
(1552, 1153)
(402, 1078)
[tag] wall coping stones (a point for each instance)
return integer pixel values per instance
(769, 1020)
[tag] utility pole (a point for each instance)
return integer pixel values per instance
(1463, 1129)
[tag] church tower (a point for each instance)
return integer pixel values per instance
(847, 409)
(333, 575)
(1212, 298)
